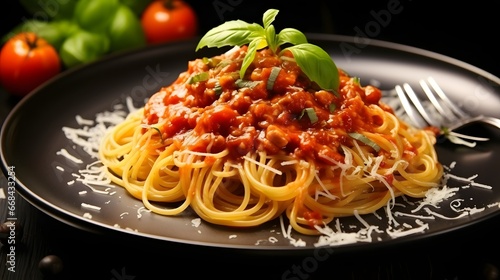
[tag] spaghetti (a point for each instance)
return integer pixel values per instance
(243, 151)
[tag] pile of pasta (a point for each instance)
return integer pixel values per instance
(243, 151)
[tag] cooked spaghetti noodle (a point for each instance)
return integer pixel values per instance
(242, 152)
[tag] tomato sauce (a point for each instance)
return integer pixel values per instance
(243, 115)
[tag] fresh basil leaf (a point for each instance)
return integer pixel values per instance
(314, 62)
(249, 57)
(269, 17)
(231, 33)
(292, 36)
(271, 38)
(317, 65)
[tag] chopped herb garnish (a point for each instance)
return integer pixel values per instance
(223, 63)
(211, 62)
(272, 77)
(217, 88)
(356, 80)
(365, 140)
(332, 107)
(201, 77)
(311, 114)
(246, 84)
(159, 132)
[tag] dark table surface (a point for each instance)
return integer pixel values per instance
(467, 253)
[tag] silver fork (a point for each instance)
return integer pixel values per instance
(438, 111)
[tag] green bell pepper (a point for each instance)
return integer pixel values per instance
(83, 47)
(95, 15)
(125, 30)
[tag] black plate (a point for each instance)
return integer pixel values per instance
(32, 135)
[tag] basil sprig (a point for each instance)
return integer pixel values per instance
(314, 62)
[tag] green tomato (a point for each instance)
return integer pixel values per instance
(83, 47)
(95, 15)
(125, 30)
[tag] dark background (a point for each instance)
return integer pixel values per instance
(462, 31)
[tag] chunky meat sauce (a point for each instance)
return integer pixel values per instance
(243, 115)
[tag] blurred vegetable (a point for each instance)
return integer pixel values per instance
(125, 30)
(54, 32)
(27, 61)
(84, 30)
(83, 47)
(95, 15)
(169, 20)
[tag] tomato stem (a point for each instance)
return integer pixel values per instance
(169, 4)
(32, 44)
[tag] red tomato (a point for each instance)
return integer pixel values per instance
(26, 61)
(169, 20)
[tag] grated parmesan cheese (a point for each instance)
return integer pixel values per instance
(140, 210)
(395, 233)
(273, 239)
(82, 121)
(87, 215)
(196, 222)
(274, 170)
(66, 154)
(90, 206)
